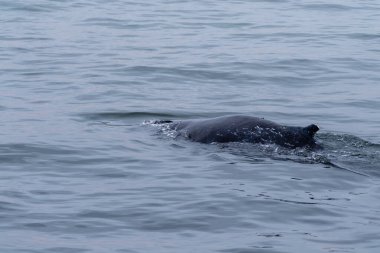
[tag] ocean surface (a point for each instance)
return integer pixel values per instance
(82, 169)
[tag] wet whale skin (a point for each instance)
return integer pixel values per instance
(245, 129)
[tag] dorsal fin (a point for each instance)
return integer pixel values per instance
(311, 129)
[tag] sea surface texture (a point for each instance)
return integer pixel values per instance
(84, 169)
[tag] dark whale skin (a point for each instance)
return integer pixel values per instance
(240, 128)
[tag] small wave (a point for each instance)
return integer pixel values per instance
(126, 115)
(30, 7)
(26, 153)
(363, 36)
(192, 73)
(34, 148)
(327, 7)
(145, 115)
(118, 23)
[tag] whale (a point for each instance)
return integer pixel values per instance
(241, 128)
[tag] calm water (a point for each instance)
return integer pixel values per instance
(82, 170)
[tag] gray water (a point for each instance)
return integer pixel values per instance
(82, 170)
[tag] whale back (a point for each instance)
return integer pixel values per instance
(240, 128)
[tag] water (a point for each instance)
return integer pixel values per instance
(81, 172)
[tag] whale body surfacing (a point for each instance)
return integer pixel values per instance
(244, 129)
